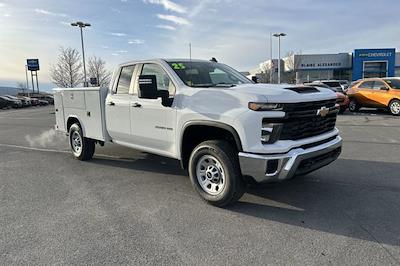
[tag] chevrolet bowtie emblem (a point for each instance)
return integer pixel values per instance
(323, 111)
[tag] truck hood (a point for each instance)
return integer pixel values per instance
(282, 93)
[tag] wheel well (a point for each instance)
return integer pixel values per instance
(71, 121)
(195, 134)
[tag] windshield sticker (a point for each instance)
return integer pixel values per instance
(178, 66)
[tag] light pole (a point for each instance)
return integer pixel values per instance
(81, 25)
(279, 35)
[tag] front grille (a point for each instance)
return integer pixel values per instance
(301, 120)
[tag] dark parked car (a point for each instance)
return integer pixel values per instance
(43, 103)
(15, 102)
(5, 103)
(25, 102)
(35, 101)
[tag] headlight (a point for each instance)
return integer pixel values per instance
(265, 106)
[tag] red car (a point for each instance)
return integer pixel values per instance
(341, 98)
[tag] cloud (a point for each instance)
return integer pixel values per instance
(116, 10)
(136, 41)
(122, 51)
(118, 34)
(168, 5)
(48, 13)
(2, 4)
(166, 27)
(65, 23)
(104, 47)
(174, 19)
(124, 1)
(115, 54)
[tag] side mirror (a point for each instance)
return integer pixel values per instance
(254, 79)
(384, 88)
(148, 88)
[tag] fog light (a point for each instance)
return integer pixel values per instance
(267, 131)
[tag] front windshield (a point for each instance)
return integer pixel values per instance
(207, 74)
(393, 83)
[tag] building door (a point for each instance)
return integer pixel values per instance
(375, 69)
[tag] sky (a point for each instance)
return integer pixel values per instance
(234, 32)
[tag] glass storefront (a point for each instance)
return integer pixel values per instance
(373, 69)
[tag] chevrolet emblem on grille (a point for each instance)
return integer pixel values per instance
(323, 111)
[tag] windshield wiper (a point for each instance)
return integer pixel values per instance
(223, 84)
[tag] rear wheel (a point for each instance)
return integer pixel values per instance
(82, 148)
(354, 106)
(394, 107)
(215, 174)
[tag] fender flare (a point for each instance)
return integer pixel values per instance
(80, 122)
(211, 124)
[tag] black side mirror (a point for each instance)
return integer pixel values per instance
(254, 79)
(384, 88)
(148, 87)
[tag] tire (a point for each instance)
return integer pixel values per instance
(215, 173)
(354, 106)
(394, 107)
(82, 148)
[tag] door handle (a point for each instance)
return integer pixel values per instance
(111, 103)
(137, 105)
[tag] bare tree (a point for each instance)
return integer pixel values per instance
(292, 62)
(67, 72)
(21, 85)
(97, 69)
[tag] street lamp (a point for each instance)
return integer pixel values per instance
(279, 35)
(81, 25)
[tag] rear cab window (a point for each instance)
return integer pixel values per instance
(124, 80)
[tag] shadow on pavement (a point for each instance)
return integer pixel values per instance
(352, 198)
(144, 162)
(359, 199)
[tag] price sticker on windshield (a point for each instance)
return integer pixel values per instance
(178, 66)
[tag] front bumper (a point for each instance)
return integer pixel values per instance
(278, 167)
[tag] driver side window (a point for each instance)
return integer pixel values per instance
(163, 80)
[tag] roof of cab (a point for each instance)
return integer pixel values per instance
(160, 60)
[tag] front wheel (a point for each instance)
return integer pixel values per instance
(215, 173)
(354, 106)
(394, 107)
(82, 148)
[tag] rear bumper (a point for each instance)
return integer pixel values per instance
(278, 167)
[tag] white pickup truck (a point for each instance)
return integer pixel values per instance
(225, 129)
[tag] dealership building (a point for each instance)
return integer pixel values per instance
(362, 63)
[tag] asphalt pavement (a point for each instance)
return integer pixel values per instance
(128, 207)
